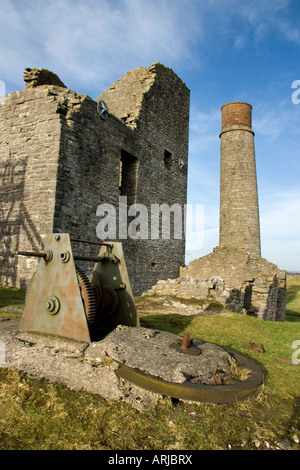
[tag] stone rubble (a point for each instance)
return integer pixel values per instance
(204, 293)
(237, 280)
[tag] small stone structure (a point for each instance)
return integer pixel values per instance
(234, 275)
(60, 160)
(232, 278)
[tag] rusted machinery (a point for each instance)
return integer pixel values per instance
(62, 301)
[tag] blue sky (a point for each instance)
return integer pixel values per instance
(224, 50)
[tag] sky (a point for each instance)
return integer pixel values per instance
(224, 50)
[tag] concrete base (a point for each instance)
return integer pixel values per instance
(92, 367)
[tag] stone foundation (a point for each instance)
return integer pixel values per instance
(240, 281)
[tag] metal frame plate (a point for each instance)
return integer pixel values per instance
(57, 279)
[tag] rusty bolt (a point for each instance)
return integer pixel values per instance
(52, 305)
(219, 379)
(185, 341)
(186, 346)
(48, 256)
(65, 256)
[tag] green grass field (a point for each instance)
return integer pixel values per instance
(12, 301)
(40, 415)
(293, 299)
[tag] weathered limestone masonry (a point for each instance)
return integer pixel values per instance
(30, 140)
(59, 161)
(234, 275)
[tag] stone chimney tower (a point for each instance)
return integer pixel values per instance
(239, 214)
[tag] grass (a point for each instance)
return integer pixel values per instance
(12, 301)
(39, 415)
(293, 299)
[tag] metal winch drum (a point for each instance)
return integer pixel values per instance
(62, 301)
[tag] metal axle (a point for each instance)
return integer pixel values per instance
(32, 253)
(46, 256)
(77, 240)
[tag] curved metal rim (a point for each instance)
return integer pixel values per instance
(198, 392)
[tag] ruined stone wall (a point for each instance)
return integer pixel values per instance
(89, 174)
(89, 167)
(147, 101)
(260, 282)
(126, 95)
(29, 148)
(164, 126)
(73, 162)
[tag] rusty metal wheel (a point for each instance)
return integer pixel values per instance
(197, 392)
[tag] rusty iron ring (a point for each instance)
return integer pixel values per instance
(198, 392)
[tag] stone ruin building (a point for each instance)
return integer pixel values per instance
(62, 154)
(234, 274)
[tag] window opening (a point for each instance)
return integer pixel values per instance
(168, 160)
(128, 177)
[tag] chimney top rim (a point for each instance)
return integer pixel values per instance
(236, 102)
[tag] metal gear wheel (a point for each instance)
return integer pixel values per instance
(88, 296)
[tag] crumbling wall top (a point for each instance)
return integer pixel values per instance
(37, 77)
(125, 97)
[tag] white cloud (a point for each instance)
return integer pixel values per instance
(280, 214)
(94, 41)
(204, 158)
(205, 124)
(240, 22)
(276, 119)
(89, 44)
